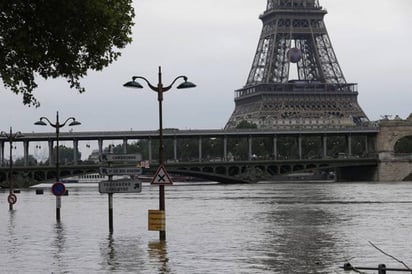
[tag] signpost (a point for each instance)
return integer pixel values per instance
(120, 186)
(120, 171)
(121, 157)
(58, 189)
(157, 218)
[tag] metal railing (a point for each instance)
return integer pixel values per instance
(293, 4)
(382, 269)
(298, 87)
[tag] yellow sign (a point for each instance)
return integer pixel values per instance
(157, 220)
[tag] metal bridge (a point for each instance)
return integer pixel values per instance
(224, 172)
(228, 156)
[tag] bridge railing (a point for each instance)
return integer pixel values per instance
(216, 158)
(203, 145)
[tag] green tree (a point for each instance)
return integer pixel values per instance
(30, 160)
(246, 124)
(140, 146)
(188, 149)
(54, 38)
(66, 154)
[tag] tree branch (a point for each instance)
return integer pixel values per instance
(390, 256)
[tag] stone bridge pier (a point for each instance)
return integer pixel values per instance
(393, 167)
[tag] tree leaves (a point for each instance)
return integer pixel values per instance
(54, 38)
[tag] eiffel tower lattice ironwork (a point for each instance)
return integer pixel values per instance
(295, 43)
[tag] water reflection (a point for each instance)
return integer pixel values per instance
(303, 244)
(12, 238)
(122, 254)
(110, 255)
(59, 245)
(302, 236)
(158, 256)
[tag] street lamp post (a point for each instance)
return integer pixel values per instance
(160, 89)
(57, 125)
(11, 137)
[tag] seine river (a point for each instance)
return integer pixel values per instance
(256, 228)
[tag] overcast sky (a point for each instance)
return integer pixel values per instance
(213, 42)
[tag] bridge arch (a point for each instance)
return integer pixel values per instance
(298, 167)
(391, 132)
(234, 170)
(221, 170)
(273, 170)
(404, 145)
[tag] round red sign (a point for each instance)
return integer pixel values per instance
(58, 188)
(12, 199)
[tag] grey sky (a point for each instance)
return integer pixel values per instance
(213, 42)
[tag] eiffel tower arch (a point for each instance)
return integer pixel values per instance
(295, 79)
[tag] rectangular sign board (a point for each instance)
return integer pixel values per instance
(120, 171)
(122, 157)
(156, 220)
(120, 186)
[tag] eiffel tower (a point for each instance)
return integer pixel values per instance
(294, 43)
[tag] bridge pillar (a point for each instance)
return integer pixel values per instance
(75, 151)
(51, 158)
(200, 148)
(325, 146)
(225, 148)
(349, 142)
(124, 146)
(366, 145)
(250, 143)
(100, 145)
(26, 152)
(2, 153)
(275, 147)
(150, 150)
(175, 149)
(300, 146)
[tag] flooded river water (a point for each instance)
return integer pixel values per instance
(211, 228)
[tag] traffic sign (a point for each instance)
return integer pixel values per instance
(120, 170)
(120, 186)
(161, 177)
(12, 198)
(58, 189)
(122, 157)
(156, 220)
